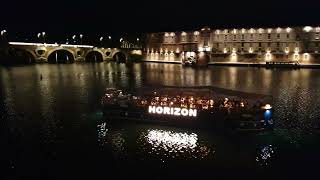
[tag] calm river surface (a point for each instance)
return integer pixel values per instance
(53, 127)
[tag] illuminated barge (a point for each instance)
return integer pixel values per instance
(192, 106)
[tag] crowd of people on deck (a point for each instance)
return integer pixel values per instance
(194, 102)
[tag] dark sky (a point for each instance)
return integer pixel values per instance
(118, 16)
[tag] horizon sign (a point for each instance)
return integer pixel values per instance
(175, 111)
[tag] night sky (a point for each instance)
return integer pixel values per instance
(120, 17)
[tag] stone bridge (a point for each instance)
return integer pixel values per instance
(66, 53)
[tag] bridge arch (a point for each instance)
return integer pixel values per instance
(21, 56)
(94, 56)
(119, 57)
(61, 56)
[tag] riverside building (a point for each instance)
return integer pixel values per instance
(253, 45)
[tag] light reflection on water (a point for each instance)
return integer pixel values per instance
(265, 155)
(173, 145)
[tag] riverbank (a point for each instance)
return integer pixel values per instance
(241, 64)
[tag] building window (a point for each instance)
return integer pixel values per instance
(278, 36)
(242, 36)
(288, 36)
(260, 36)
(286, 50)
(234, 37)
(225, 37)
(183, 36)
(317, 36)
(196, 38)
(306, 56)
(242, 44)
(269, 36)
(259, 44)
(205, 43)
(251, 37)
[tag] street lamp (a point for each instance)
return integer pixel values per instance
(109, 37)
(80, 38)
(101, 39)
(3, 32)
(44, 37)
(74, 38)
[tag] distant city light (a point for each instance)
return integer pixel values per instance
(306, 56)
(250, 50)
(279, 30)
(307, 28)
(288, 29)
(260, 30)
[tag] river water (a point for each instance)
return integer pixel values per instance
(52, 125)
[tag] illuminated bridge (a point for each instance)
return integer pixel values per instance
(66, 53)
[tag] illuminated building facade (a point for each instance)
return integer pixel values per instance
(255, 45)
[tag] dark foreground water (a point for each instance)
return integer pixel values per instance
(53, 128)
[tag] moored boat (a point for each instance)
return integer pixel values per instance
(206, 107)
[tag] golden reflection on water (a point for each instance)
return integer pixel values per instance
(165, 144)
